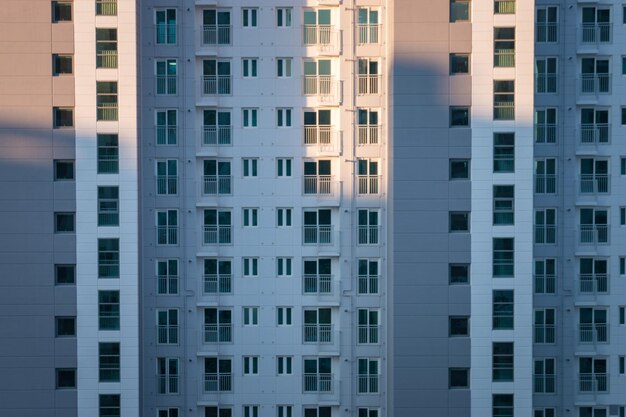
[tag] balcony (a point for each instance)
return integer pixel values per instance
(216, 34)
(167, 284)
(320, 235)
(592, 34)
(318, 185)
(166, 84)
(216, 85)
(545, 183)
(213, 382)
(317, 284)
(166, 135)
(167, 184)
(368, 334)
(368, 84)
(167, 334)
(593, 333)
(595, 84)
(546, 133)
(545, 234)
(107, 112)
(368, 235)
(324, 137)
(595, 133)
(368, 184)
(544, 383)
(368, 34)
(594, 184)
(216, 185)
(217, 284)
(593, 234)
(368, 384)
(168, 384)
(216, 135)
(593, 383)
(325, 87)
(369, 135)
(318, 383)
(368, 284)
(106, 7)
(217, 235)
(317, 333)
(324, 37)
(593, 283)
(106, 59)
(167, 235)
(218, 333)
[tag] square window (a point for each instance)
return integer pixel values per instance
(65, 326)
(250, 267)
(284, 365)
(109, 405)
(61, 11)
(459, 221)
(283, 266)
(62, 64)
(63, 170)
(459, 169)
(502, 405)
(63, 222)
(250, 365)
(66, 377)
(459, 64)
(459, 116)
(64, 274)
(251, 316)
(458, 326)
(458, 378)
(63, 117)
(250, 217)
(460, 10)
(250, 167)
(458, 273)
(283, 316)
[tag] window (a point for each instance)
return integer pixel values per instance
(217, 179)
(66, 378)
(63, 170)
(283, 67)
(622, 365)
(318, 228)
(592, 325)
(166, 27)
(503, 204)
(368, 277)
(318, 412)
(108, 158)
(250, 217)
(318, 128)
(250, 67)
(217, 77)
(62, 64)
(458, 326)
(217, 227)
(503, 47)
(250, 365)
(218, 376)
(283, 167)
(503, 257)
(368, 25)
(318, 327)
(61, 11)
(250, 118)
(458, 273)
(249, 17)
(545, 226)
(622, 265)
(369, 326)
(283, 267)
(167, 276)
(546, 24)
(460, 10)
(593, 375)
(368, 376)
(63, 222)
(544, 326)
(544, 376)
(250, 411)
(167, 327)
(64, 274)
(108, 258)
(458, 378)
(459, 64)
(546, 125)
(250, 267)
(622, 315)
(283, 117)
(108, 310)
(368, 227)
(217, 128)
(595, 76)
(596, 25)
(368, 412)
(318, 79)
(283, 316)
(167, 373)
(283, 217)
(106, 48)
(218, 325)
(63, 117)
(502, 362)
(106, 101)
(594, 176)
(594, 126)
(459, 116)
(108, 206)
(544, 412)
(109, 362)
(166, 77)
(318, 278)
(65, 326)
(504, 7)
(368, 76)
(166, 127)
(218, 412)
(109, 405)
(106, 8)
(593, 226)
(502, 310)
(502, 405)
(545, 276)
(216, 27)
(283, 17)
(369, 130)
(546, 75)
(250, 167)
(167, 177)
(368, 178)
(504, 100)
(167, 412)
(459, 169)
(459, 221)
(545, 176)
(504, 152)
(250, 316)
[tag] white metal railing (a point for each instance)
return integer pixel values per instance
(544, 383)
(216, 184)
(168, 384)
(593, 382)
(545, 284)
(166, 135)
(216, 34)
(592, 333)
(217, 235)
(504, 6)
(547, 32)
(595, 133)
(216, 85)
(107, 111)
(320, 85)
(167, 235)
(218, 333)
(368, 384)
(545, 234)
(217, 135)
(167, 333)
(368, 235)
(368, 333)
(321, 235)
(368, 33)
(106, 59)
(218, 283)
(166, 84)
(504, 57)
(317, 284)
(318, 184)
(504, 110)
(545, 333)
(369, 135)
(325, 37)
(594, 183)
(106, 7)
(317, 383)
(545, 183)
(593, 283)
(595, 33)
(591, 234)
(368, 84)
(368, 184)
(167, 284)
(318, 333)
(214, 382)
(368, 284)
(167, 184)
(595, 83)
(546, 83)
(546, 133)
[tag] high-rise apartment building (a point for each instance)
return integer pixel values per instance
(314, 208)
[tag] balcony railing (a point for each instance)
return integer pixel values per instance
(166, 135)
(593, 333)
(544, 383)
(168, 384)
(108, 219)
(107, 111)
(368, 184)
(167, 235)
(368, 384)
(321, 235)
(368, 235)
(595, 382)
(369, 135)
(216, 135)
(167, 184)
(593, 283)
(325, 37)
(167, 284)
(545, 284)
(317, 284)
(368, 284)
(598, 133)
(595, 33)
(504, 111)
(216, 34)
(594, 183)
(545, 234)
(595, 83)
(322, 383)
(594, 234)
(106, 7)
(547, 32)
(165, 33)
(106, 59)
(218, 333)
(368, 33)
(368, 84)
(545, 183)
(217, 235)
(222, 382)
(319, 85)
(218, 284)
(167, 334)
(108, 268)
(216, 184)
(166, 84)
(318, 333)
(318, 184)
(546, 133)
(544, 333)
(504, 7)
(546, 83)
(504, 58)
(368, 333)
(216, 85)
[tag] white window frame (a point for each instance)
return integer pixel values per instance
(284, 117)
(250, 316)
(250, 365)
(284, 266)
(284, 165)
(284, 217)
(250, 217)
(250, 267)
(284, 316)
(171, 383)
(284, 365)
(168, 281)
(250, 167)
(249, 17)
(284, 17)
(284, 67)
(250, 67)
(250, 118)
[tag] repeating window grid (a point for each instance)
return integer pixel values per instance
(250, 167)
(249, 67)
(284, 167)
(250, 267)
(284, 266)
(284, 216)
(250, 316)
(284, 365)
(284, 316)
(167, 372)
(167, 276)
(250, 365)
(250, 217)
